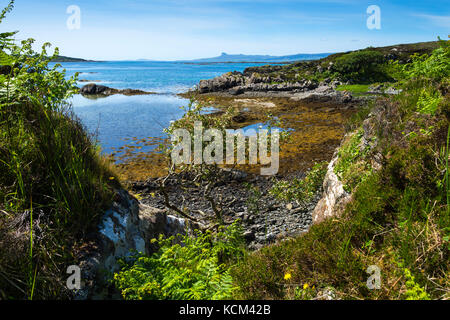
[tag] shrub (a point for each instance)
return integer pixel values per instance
(428, 101)
(301, 190)
(196, 268)
(364, 66)
(433, 67)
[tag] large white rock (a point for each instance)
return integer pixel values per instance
(126, 228)
(334, 196)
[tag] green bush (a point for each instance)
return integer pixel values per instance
(428, 101)
(366, 66)
(433, 67)
(194, 268)
(301, 190)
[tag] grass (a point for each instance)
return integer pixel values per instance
(52, 173)
(354, 88)
(54, 185)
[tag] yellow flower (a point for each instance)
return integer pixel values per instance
(305, 286)
(112, 178)
(287, 276)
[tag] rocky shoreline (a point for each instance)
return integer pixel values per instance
(252, 85)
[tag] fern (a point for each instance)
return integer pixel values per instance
(428, 102)
(196, 270)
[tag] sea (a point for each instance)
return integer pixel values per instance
(118, 120)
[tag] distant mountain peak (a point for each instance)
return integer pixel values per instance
(224, 54)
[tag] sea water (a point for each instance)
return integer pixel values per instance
(116, 120)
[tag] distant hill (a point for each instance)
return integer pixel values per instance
(260, 58)
(69, 59)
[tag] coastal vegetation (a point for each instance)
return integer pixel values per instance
(364, 66)
(398, 217)
(54, 184)
(194, 268)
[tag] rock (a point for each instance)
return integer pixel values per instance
(126, 227)
(334, 196)
(224, 82)
(240, 118)
(271, 237)
(95, 89)
(392, 91)
(240, 215)
(133, 92)
(120, 232)
(249, 236)
(324, 89)
(346, 97)
(335, 84)
(326, 294)
(330, 66)
(100, 90)
(375, 89)
(236, 91)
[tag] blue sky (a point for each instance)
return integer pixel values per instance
(175, 29)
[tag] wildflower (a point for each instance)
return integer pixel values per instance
(287, 276)
(305, 286)
(112, 178)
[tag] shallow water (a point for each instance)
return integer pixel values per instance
(117, 119)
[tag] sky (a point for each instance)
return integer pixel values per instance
(176, 30)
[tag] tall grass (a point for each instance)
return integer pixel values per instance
(54, 184)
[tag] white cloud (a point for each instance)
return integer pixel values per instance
(441, 21)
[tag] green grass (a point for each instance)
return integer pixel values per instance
(354, 88)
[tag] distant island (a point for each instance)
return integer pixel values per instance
(70, 59)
